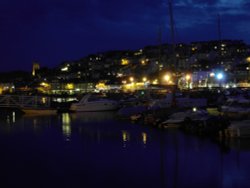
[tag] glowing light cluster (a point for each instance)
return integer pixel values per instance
(125, 62)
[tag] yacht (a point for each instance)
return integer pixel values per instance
(94, 103)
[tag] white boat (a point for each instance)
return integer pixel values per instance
(176, 119)
(94, 103)
(236, 108)
(180, 102)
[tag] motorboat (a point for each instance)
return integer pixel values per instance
(178, 118)
(94, 103)
(178, 101)
(236, 108)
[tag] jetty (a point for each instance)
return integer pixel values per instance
(27, 104)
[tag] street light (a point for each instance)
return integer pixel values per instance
(188, 78)
(248, 59)
(166, 77)
(219, 77)
(212, 74)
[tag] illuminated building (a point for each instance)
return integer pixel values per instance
(35, 67)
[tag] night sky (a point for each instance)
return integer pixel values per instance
(52, 31)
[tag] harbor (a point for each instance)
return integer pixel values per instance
(125, 94)
(221, 114)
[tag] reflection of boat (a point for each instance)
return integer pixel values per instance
(93, 116)
(239, 129)
(93, 103)
(128, 111)
(239, 145)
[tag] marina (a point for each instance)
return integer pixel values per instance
(190, 110)
(125, 94)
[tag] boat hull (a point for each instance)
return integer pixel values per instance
(94, 107)
(39, 111)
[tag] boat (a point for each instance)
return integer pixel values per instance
(180, 102)
(39, 111)
(237, 108)
(37, 105)
(94, 103)
(128, 111)
(179, 118)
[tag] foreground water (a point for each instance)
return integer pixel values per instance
(97, 150)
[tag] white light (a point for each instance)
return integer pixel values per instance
(212, 74)
(219, 76)
(65, 69)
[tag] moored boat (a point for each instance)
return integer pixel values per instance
(94, 103)
(179, 118)
(39, 111)
(236, 108)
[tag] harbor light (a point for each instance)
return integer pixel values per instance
(101, 86)
(44, 84)
(248, 59)
(155, 82)
(69, 86)
(131, 79)
(64, 69)
(219, 76)
(166, 77)
(188, 77)
(144, 79)
(188, 80)
(124, 62)
(212, 74)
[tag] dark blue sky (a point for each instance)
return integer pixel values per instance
(51, 31)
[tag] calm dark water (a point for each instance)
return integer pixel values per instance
(96, 150)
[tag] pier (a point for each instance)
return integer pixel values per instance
(24, 101)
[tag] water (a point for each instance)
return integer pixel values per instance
(97, 150)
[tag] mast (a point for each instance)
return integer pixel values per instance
(160, 43)
(219, 38)
(219, 28)
(171, 17)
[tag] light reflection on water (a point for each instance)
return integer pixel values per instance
(97, 150)
(66, 125)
